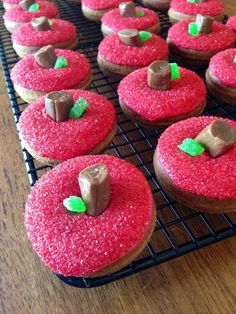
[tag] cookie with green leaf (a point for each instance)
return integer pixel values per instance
(67, 124)
(195, 162)
(194, 41)
(128, 50)
(127, 16)
(161, 94)
(27, 10)
(50, 70)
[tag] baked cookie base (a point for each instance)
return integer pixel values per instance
(222, 92)
(116, 71)
(23, 51)
(108, 31)
(158, 124)
(175, 16)
(194, 59)
(99, 149)
(193, 201)
(30, 95)
(157, 4)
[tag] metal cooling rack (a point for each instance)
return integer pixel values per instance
(179, 230)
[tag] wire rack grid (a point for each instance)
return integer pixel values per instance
(179, 230)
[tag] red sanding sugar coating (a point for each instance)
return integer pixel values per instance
(29, 74)
(231, 23)
(222, 66)
(71, 138)
(78, 244)
(201, 175)
(210, 7)
(17, 14)
(116, 22)
(60, 31)
(114, 51)
(101, 4)
(220, 38)
(186, 95)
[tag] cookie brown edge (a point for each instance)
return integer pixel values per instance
(217, 89)
(193, 201)
(30, 95)
(158, 124)
(99, 149)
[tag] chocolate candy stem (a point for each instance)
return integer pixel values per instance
(159, 75)
(127, 9)
(25, 4)
(204, 23)
(58, 105)
(46, 57)
(40, 24)
(130, 37)
(217, 138)
(94, 185)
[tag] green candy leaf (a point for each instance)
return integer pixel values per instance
(235, 59)
(140, 13)
(34, 7)
(79, 108)
(75, 204)
(193, 29)
(175, 74)
(144, 36)
(191, 147)
(50, 22)
(192, 1)
(60, 63)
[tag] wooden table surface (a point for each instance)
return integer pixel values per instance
(200, 282)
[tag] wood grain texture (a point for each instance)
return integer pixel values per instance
(201, 282)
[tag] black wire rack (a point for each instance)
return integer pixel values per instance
(179, 230)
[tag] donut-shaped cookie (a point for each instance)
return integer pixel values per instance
(183, 9)
(32, 81)
(51, 141)
(113, 21)
(119, 59)
(154, 108)
(201, 182)
(196, 51)
(82, 245)
(221, 76)
(16, 17)
(26, 40)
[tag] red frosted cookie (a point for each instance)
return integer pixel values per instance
(198, 178)
(52, 141)
(185, 9)
(144, 102)
(120, 54)
(82, 245)
(196, 50)
(157, 4)
(94, 9)
(31, 36)
(140, 19)
(18, 16)
(31, 80)
(221, 76)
